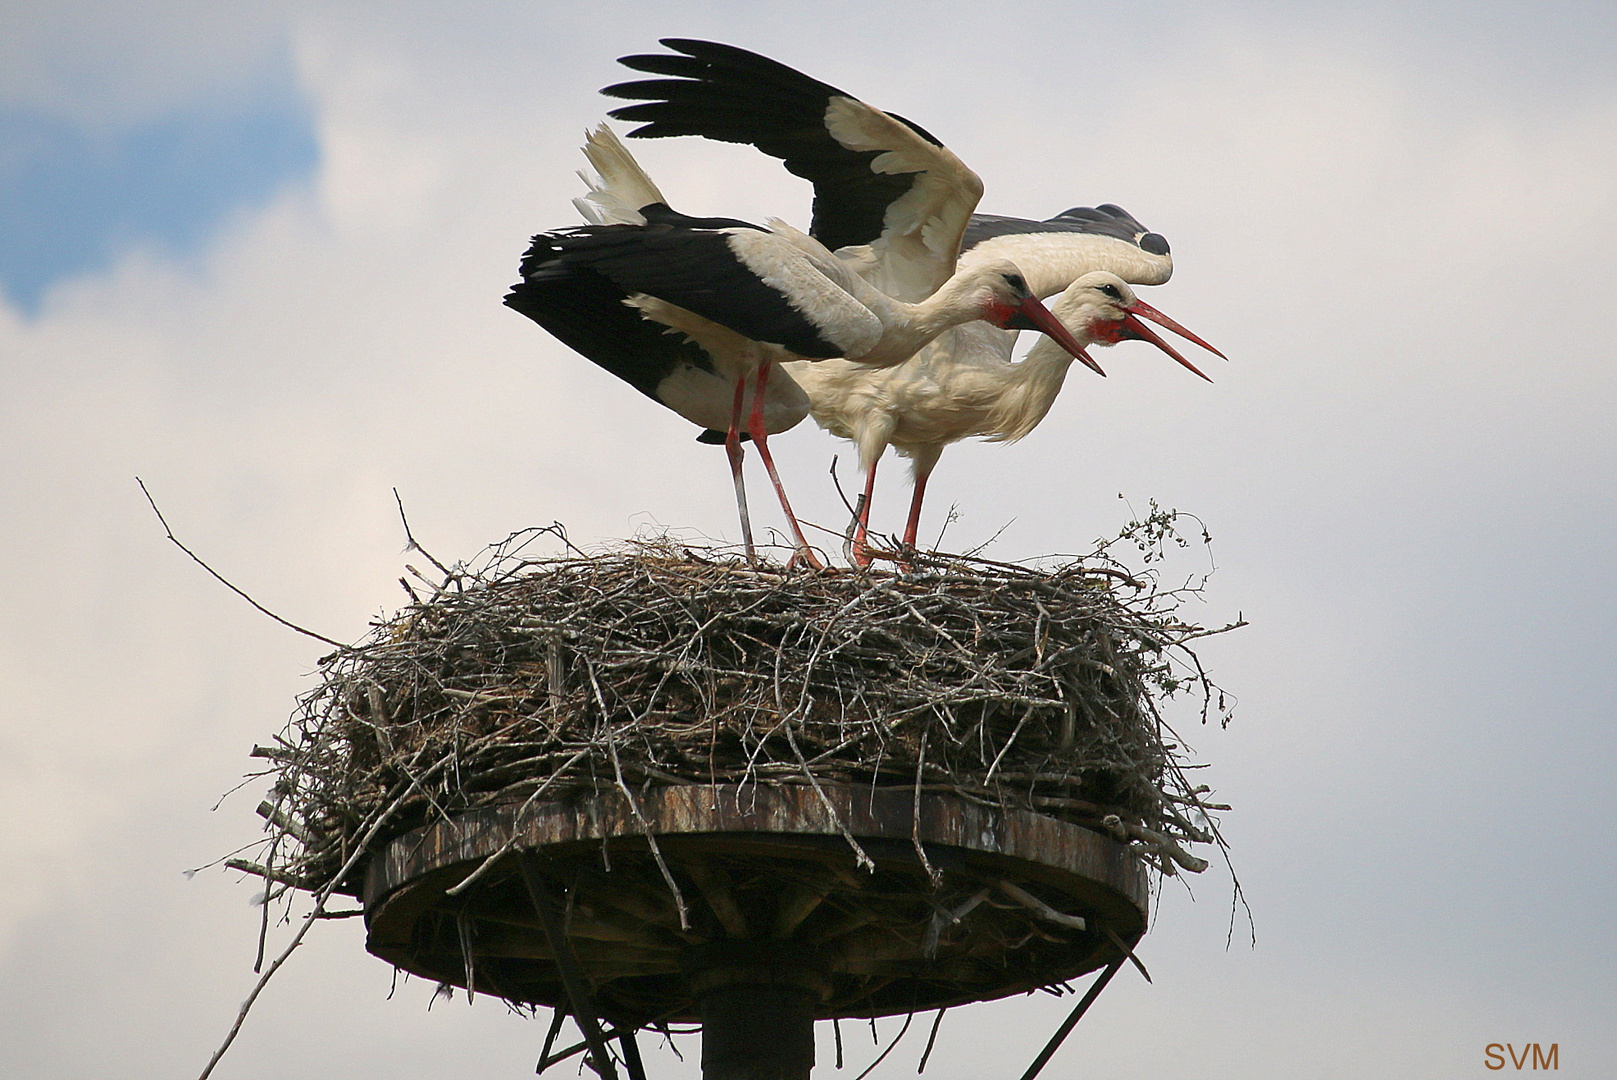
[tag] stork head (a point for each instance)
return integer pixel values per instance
(1101, 308)
(1007, 302)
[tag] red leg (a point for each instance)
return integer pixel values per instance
(860, 551)
(915, 512)
(732, 447)
(760, 437)
(925, 459)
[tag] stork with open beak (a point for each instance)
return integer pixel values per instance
(749, 296)
(883, 212)
(964, 385)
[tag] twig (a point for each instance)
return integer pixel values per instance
(1039, 907)
(224, 581)
(930, 1039)
(871, 1067)
(297, 939)
(411, 543)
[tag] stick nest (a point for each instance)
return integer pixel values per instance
(548, 679)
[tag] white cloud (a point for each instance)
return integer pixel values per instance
(108, 62)
(1413, 292)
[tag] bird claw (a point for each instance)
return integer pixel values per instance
(806, 558)
(863, 555)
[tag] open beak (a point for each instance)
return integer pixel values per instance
(1041, 319)
(1135, 330)
(1145, 310)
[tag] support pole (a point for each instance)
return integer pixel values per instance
(1071, 1022)
(757, 1000)
(581, 1003)
(757, 1032)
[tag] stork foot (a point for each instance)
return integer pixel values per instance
(863, 555)
(804, 557)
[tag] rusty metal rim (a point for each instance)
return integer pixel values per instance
(832, 810)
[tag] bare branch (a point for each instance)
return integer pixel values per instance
(222, 579)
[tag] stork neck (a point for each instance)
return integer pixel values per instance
(909, 327)
(1045, 365)
(1031, 387)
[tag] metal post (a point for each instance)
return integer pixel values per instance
(1076, 1015)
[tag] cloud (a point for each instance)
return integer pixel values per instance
(70, 198)
(1400, 466)
(113, 63)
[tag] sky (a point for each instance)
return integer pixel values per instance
(254, 255)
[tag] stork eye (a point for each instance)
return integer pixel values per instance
(1112, 290)
(1015, 281)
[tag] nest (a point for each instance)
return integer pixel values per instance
(545, 679)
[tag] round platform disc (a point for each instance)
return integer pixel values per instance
(1006, 901)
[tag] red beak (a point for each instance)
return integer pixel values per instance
(1040, 317)
(1135, 330)
(1145, 310)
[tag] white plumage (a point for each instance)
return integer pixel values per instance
(890, 314)
(746, 297)
(964, 385)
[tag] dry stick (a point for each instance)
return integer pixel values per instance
(310, 920)
(634, 804)
(222, 580)
(915, 818)
(283, 821)
(859, 853)
(1128, 952)
(547, 1059)
(1040, 908)
(611, 1033)
(511, 843)
(270, 874)
(871, 1067)
(557, 1016)
(1008, 742)
(463, 933)
(947, 916)
(263, 916)
(930, 1039)
(409, 538)
(651, 837)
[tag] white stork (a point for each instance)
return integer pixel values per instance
(747, 296)
(873, 211)
(888, 197)
(963, 385)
